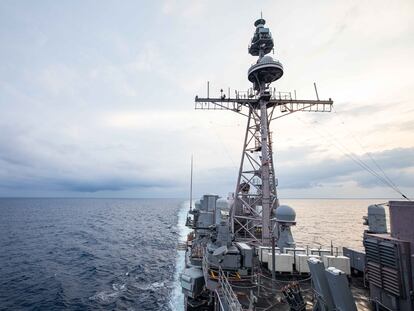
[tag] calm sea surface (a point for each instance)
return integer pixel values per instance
(106, 254)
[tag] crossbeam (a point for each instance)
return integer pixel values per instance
(286, 106)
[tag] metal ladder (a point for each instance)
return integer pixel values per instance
(227, 298)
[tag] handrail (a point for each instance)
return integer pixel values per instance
(227, 298)
(228, 294)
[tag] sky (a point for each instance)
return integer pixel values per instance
(97, 97)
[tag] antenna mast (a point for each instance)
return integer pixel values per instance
(191, 184)
(252, 215)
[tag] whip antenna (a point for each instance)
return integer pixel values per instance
(191, 184)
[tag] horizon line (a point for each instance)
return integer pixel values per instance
(182, 198)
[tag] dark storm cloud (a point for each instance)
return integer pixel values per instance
(110, 185)
(72, 184)
(28, 165)
(313, 173)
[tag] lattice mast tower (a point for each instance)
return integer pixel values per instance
(255, 197)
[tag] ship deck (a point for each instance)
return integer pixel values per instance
(262, 289)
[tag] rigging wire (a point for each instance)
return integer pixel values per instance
(354, 157)
(358, 141)
(363, 165)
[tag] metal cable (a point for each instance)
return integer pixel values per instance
(369, 154)
(351, 155)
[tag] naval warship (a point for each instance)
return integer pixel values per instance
(241, 254)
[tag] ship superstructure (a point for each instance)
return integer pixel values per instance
(238, 245)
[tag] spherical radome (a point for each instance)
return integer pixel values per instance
(285, 213)
(266, 59)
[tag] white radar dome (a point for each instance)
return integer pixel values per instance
(266, 59)
(285, 213)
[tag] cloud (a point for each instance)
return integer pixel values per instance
(108, 184)
(99, 99)
(184, 9)
(407, 126)
(309, 174)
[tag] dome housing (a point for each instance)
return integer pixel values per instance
(285, 213)
(266, 70)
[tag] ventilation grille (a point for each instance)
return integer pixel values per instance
(371, 250)
(391, 280)
(374, 273)
(382, 265)
(388, 253)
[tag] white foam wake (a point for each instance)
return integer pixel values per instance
(177, 298)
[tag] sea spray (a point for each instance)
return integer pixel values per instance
(177, 298)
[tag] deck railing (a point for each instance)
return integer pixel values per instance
(228, 299)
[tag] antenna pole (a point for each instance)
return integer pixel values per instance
(316, 90)
(191, 184)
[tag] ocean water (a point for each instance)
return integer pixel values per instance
(87, 254)
(120, 254)
(321, 222)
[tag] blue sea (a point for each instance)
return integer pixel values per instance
(120, 254)
(88, 254)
